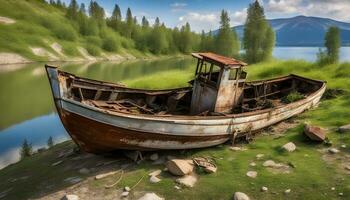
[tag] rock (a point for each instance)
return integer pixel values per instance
(269, 163)
(70, 197)
(179, 167)
(333, 150)
(84, 171)
(252, 174)
(315, 133)
(73, 180)
(177, 187)
(150, 196)
(347, 167)
(237, 149)
(252, 164)
(124, 194)
(343, 146)
(57, 163)
(154, 179)
(133, 155)
(345, 129)
(101, 176)
(340, 194)
(210, 169)
(290, 147)
(154, 157)
(260, 155)
(264, 189)
(240, 196)
(155, 173)
(127, 189)
(333, 188)
(287, 191)
(187, 180)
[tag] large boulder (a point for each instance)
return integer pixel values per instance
(240, 196)
(315, 133)
(70, 197)
(179, 167)
(345, 129)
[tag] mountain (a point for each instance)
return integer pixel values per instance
(304, 31)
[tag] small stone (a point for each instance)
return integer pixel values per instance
(347, 167)
(290, 147)
(344, 129)
(269, 163)
(155, 173)
(287, 191)
(187, 180)
(315, 133)
(237, 149)
(252, 164)
(240, 196)
(154, 157)
(179, 167)
(84, 171)
(127, 189)
(154, 179)
(343, 146)
(340, 194)
(124, 194)
(70, 197)
(264, 189)
(210, 169)
(177, 187)
(333, 188)
(333, 150)
(259, 156)
(150, 196)
(252, 174)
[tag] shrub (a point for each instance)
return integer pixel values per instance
(110, 44)
(65, 32)
(93, 50)
(292, 97)
(93, 40)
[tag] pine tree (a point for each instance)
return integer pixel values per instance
(82, 8)
(332, 43)
(115, 20)
(50, 142)
(258, 39)
(156, 22)
(129, 23)
(26, 150)
(116, 15)
(206, 42)
(144, 23)
(96, 11)
(157, 41)
(226, 42)
(72, 11)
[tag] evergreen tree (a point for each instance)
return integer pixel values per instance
(186, 37)
(206, 42)
(50, 142)
(116, 15)
(156, 22)
(226, 42)
(258, 38)
(144, 23)
(82, 8)
(96, 11)
(332, 43)
(115, 20)
(26, 150)
(129, 23)
(157, 41)
(72, 11)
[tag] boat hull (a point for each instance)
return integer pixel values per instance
(97, 131)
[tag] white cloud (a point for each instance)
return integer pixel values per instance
(282, 6)
(238, 17)
(200, 21)
(177, 6)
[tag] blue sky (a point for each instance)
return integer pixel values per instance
(204, 14)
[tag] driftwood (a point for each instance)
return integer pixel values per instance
(101, 176)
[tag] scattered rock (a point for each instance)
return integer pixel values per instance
(290, 147)
(315, 133)
(125, 194)
(343, 146)
(73, 180)
(155, 173)
(347, 167)
(70, 197)
(340, 194)
(264, 189)
(154, 157)
(237, 149)
(333, 188)
(179, 167)
(154, 179)
(333, 150)
(210, 169)
(57, 163)
(127, 189)
(252, 174)
(287, 191)
(260, 155)
(101, 176)
(269, 163)
(84, 171)
(240, 196)
(150, 196)
(345, 129)
(252, 164)
(177, 187)
(187, 180)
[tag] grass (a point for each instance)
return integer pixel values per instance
(312, 177)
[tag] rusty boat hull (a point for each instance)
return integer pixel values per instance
(99, 130)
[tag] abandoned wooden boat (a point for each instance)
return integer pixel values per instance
(218, 106)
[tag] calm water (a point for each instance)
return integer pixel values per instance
(27, 111)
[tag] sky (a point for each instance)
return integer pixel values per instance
(205, 14)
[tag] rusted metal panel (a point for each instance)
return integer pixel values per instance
(220, 60)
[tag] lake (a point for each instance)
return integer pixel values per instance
(27, 110)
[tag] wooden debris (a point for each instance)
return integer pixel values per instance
(101, 176)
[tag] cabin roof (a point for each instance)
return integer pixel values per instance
(221, 61)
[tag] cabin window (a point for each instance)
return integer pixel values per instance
(209, 73)
(233, 74)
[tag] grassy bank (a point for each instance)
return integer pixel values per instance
(312, 175)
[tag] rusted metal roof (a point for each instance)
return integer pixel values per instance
(220, 60)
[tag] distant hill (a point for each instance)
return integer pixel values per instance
(304, 31)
